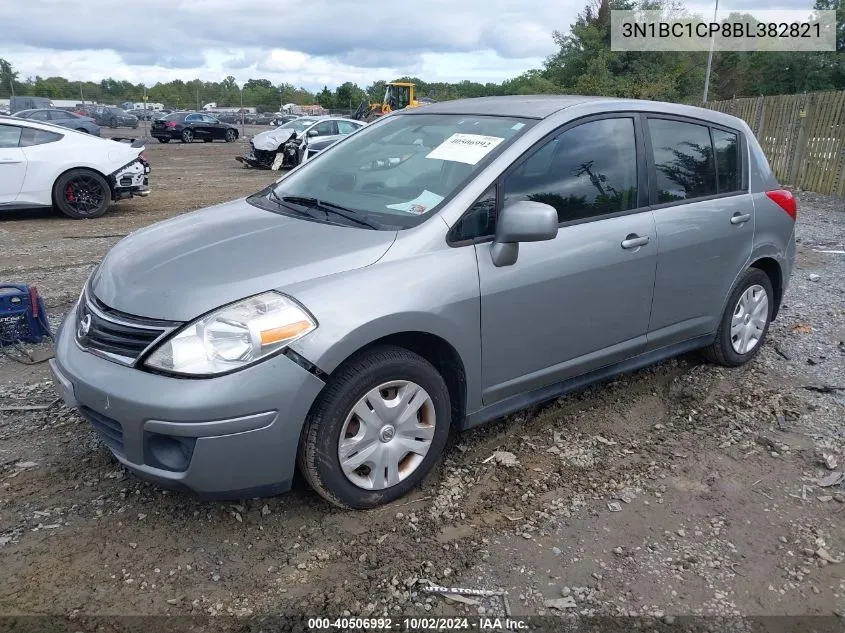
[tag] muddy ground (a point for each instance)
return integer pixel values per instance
(684, 489)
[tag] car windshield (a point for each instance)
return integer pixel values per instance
(298, 125)
(398, 171)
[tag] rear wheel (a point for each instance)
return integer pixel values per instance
(378, 428)
(82, 193)
(163, 139)
(745, 322)
(187, 136)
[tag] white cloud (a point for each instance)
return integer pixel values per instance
(309, 44)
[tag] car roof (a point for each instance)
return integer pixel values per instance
(544, 106)
(528, 106)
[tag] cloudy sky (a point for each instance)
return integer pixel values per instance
(307, 43)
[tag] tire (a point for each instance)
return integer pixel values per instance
(83, 130)
(187, 136)
(231, 135)
(163, 139)
(72, 185)
(746, 313)
(354, 383)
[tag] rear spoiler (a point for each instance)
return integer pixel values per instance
(134, 142)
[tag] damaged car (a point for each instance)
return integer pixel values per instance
(286, 146)
(44, 165)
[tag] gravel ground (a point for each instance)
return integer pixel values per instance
(683, 489)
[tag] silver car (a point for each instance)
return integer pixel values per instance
(442, 267)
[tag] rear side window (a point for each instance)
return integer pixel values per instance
(587, 171)
(31, 136)
(10, 136)
(683, 158)
(728, 164)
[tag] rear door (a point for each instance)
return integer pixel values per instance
(705, 223)
(195, 123)
(12, 163)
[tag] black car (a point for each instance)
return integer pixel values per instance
(190, 126)
(109, 116)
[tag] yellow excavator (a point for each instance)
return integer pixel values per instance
(397, 95)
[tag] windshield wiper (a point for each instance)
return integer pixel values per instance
(279, 201)
(328, 207)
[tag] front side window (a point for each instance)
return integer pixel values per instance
(587, 171)
(345, 127)
(728, 164)
(40, 115)
(10, 136)
(326, 128)
(683, 159)
(479, 220)
(399, 170)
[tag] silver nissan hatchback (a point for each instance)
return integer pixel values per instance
(445, 266)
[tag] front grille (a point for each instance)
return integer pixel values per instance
(115, 335)
(109, 430)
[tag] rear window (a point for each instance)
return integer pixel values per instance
(175, 116)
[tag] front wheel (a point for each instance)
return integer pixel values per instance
(187, 136)
(231, 135)
(745, 321)
(377, 430)
(81, 193)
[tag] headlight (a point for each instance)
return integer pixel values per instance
(234, 336)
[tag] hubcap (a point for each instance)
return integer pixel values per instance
(749, 319)
(387, 435)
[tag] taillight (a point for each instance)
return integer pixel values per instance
(170, 124)
(785, 200)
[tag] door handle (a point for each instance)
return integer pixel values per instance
(740, 218)
(634, 241)
(10, 161)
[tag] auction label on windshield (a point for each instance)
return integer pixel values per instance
(465, 148)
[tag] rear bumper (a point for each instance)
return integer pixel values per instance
(131, 180)
(225, 437)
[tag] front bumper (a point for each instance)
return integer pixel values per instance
(230, 437)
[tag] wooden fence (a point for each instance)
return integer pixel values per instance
(802, 135)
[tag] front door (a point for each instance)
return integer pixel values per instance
(582, 300)
(12, 163)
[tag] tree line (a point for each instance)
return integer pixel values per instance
(583, 64)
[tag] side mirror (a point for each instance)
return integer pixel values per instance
(313, 133)
(522, 221)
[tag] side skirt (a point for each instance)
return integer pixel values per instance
(550, 392)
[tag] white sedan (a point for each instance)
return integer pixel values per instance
(43, 165)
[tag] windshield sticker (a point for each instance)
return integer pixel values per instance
(419, 205)
(518, 126)
(465, 148)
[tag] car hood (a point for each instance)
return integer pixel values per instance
(271, 139)
(186, 266)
